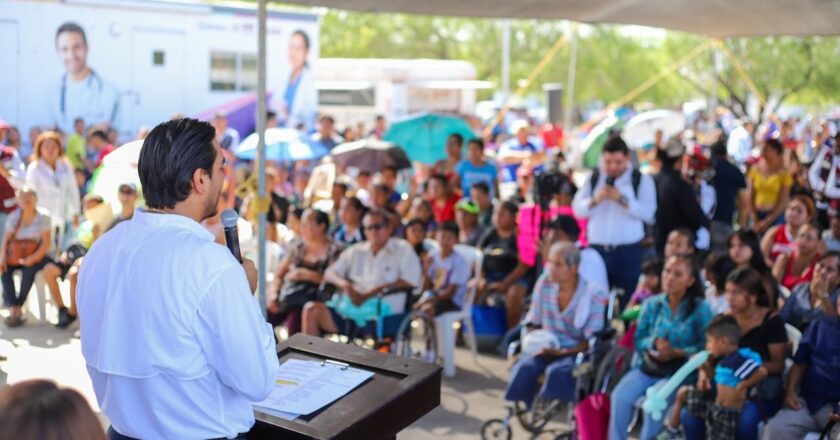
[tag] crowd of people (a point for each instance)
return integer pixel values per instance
(729, 247)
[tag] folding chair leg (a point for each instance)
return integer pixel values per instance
(470, 330)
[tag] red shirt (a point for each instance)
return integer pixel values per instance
(104, 152)
(445, 212)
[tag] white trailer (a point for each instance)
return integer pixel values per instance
(162, 56)
(357, 90)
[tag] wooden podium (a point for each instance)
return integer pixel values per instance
(400, 392)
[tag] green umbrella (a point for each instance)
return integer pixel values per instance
(593, 143)
(423, 136)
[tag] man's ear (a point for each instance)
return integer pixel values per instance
(200, 180)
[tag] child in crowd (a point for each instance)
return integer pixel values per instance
(719, 402)
(445, 275)
(650, 284)
(716, 269)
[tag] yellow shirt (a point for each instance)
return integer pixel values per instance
(767, 190)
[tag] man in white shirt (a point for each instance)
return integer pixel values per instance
(81, 92)
(740, 142)
(175, 344)
(618, 200)
(379, 265)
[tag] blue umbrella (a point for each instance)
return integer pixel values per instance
(423, 136)
(281, 145)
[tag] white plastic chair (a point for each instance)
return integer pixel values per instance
(794, 336)
(445, 322)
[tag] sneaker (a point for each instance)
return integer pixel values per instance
(671, 434)
(64, 318)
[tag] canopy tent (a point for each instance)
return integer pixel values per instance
(715, 18)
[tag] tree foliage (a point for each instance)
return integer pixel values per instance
(611, 62)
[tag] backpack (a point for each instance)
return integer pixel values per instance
(635, 178)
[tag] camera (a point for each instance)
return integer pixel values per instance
(548, 184)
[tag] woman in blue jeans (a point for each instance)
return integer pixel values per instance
(763, 331)
(671, 328)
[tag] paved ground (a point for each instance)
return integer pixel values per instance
(468, 400)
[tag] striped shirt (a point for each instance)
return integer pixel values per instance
(581, 318)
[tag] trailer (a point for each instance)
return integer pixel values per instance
(147, 60)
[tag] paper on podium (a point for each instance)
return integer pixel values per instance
(303, 387)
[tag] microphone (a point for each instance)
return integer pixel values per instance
(229, 219)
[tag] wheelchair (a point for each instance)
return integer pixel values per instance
(407, 333)
(592, 371)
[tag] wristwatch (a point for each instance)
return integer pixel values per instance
(623, 201)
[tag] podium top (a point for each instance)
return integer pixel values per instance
(401, 391)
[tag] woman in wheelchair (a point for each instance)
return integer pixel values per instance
(573, 311)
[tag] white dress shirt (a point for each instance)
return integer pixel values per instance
(174, 341)
(609, 222)
(593, 269)
(395, 261)
(56, 189)
(739, 145)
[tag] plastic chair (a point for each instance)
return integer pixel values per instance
(794, 336)
(445, 322)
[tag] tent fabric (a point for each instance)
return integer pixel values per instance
(714, 18)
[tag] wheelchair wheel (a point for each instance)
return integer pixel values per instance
(612, 368)
(416, 338)
(541, 412)
(496, 429)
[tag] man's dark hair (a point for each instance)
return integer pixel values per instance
(381, 213)
(458, 138)
(327, 118)
(73, 28)
(718, 148)
(567, 225)
(482, 187)
(775, 145)
(380, 118)
(477, 141)
(390, 168)
(616, 145)
(303, 36)
(724, 327)
(449, 227)
(171, 154)
(439, 177)
(100, 134)
(510, 207)
(270, 114)
(77, 120)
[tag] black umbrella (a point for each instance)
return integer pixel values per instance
(370, 155)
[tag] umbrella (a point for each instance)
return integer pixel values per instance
(370, 155)
(640, 129)
(118, 168)
(593, 143)
(281, 145)
(424, 136)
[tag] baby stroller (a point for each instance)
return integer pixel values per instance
(588, 376)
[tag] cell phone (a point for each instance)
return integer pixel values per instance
(610, 181)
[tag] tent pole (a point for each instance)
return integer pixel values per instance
(570, 90)
(260, 118)
(505, 60)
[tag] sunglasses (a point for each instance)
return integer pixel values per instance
(375, 227)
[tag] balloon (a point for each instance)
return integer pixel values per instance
(656, 400)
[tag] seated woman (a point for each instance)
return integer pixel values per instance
(671, 328)
(566, 305)
(798, 267)
(763, 332)
(781, 239)
(809, 301)
(302, 269)
(24, 248)
(503, 271)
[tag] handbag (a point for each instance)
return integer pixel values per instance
(655, 368)
(18, 249)
(296, 295)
